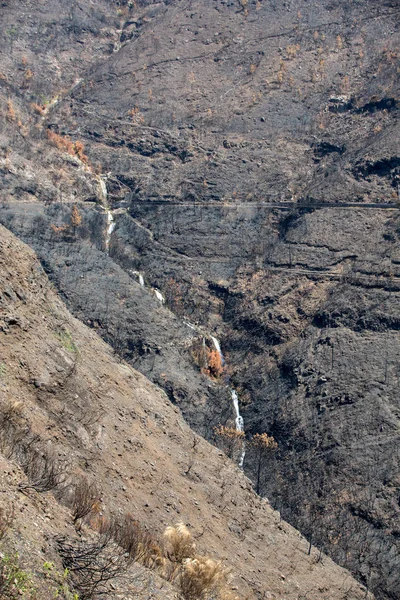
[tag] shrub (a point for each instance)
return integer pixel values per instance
(139, 544)
(180, 543)
(215, 366)
(85, 496)
(6, 519)
(43, 469)
(92, 564)
(200, 577)
(11, 114)
(14, 583)
(67, 145)
(230, 440)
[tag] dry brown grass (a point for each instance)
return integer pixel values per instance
(140, 544)
(85, 496)
(180, 543)
(202, 577)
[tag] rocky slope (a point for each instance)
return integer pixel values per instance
(250, 154)
(105, 420)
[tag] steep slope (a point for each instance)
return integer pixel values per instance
(250, 154)
(114, 425)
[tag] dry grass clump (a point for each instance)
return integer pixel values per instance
(198, 577)
(140, 544)
(202, 578)
(180, 543)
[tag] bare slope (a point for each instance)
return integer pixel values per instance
(117, 427)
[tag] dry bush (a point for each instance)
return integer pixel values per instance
(76, 217)
(11, 413)
(180, 543)
(37, 108)
(292, 50)
(140, 545)
(215, 366)
(43, 469)
(11, 115)
(13, 428)
(92, 565)
(230, 440)
(85, 498)
(67, 145)
(201, 577)
(6, 519)
(136, 116)
(209, 361)
(59, 229)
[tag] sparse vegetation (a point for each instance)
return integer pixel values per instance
(11, 115)
(202, 578)
(44, 471)
(62, 590)
(230, 440)
(65, 144)
(15, 583)
(67, 341)
(85, 496)
(180, 544)
(6, 519)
